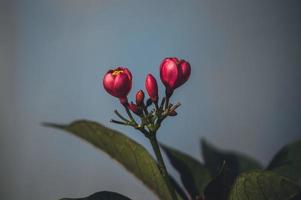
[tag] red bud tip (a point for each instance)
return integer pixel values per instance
(139, 97)
(151, 87)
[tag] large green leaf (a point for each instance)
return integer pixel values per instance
(105, 195)
(193, 174)
(124, 150)
(263, 185)
(287, 162)
(237, 162)
(220, 185)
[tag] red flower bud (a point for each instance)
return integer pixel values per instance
(151, 87)
(174, 73)
(139, 97)
(134, 108)
(118, 83)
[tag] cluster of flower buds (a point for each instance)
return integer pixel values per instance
(118, 83)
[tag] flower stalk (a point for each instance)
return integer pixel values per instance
(161, 165)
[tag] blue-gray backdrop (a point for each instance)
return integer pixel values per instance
(243, 94)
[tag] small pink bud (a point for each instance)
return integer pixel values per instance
(118, 83)
(174, 73)
(139, 97)
(134, 108)
(151, 87)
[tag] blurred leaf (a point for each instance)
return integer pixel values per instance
(193, 174)
(219, 186)
(236, 162)
(124, 150)
(263, 185)
(296, 197)
(105, 195)
(287, 162)
(178, 189)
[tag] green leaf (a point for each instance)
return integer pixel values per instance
(124, 150)
(236, 162)
(220, 185)
(263, 185)
(177, 187)
(105, 195)
(193, 174)
(287, 162)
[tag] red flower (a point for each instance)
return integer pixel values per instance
(174, 73)
(151, 87)
(118, 83)
(139, 97)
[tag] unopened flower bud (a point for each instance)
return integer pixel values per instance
(174, 73)
(151, 87)
(139, 97)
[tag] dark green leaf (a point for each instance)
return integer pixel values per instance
(296, 197)
(105, 195)
(177, 187)
(124, 150)
(219, 186)
(287, 162)
(193, 174)
(236, 162)
(263, 185)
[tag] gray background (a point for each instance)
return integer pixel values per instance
(243, 93)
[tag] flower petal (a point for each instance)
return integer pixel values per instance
(169, 72)
(184, 72)
(122, 85)
(127, 72)
(108, 82)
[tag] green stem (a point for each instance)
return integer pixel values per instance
(166, 102)
(144, 108)
(120, 116)
(130, 115)
(161, 164)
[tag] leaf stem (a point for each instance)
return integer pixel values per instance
(162, 103)
(130, 115)
(120, 116)
(117, 122)
(161, 164)
(166, 102)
